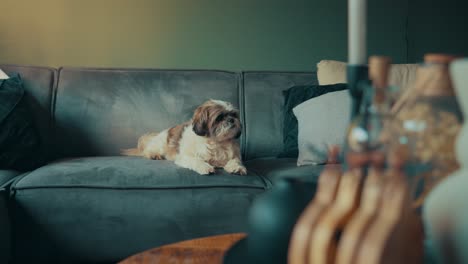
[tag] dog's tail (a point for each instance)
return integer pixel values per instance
(131, 152)
(142, 142)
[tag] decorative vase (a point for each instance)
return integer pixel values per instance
(445, 212)
(428, 122)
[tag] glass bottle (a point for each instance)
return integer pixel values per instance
(365, 132)
(427, 121)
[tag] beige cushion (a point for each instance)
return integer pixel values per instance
(331, 72)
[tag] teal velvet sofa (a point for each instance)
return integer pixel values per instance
(88, 204)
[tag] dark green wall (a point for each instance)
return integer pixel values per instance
(437, 26)
(217, 34)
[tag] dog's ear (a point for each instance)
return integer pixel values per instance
(200, 121)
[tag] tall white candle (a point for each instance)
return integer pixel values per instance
(357, 16)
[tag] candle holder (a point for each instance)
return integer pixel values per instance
(356, 74)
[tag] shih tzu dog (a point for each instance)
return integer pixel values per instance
(206, 142)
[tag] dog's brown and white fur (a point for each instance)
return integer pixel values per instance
(206, 142)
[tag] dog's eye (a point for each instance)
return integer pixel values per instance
(234, 115)
(219, 118)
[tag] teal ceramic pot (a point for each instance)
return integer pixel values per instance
(272, 218)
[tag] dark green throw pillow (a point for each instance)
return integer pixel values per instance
(292, 98)
(20, 146)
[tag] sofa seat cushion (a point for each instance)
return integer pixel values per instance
(6, 175)
(274, 169)
(104, 209)
(128, 173)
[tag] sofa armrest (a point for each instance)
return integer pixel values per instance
(5, 231)
(6, 176)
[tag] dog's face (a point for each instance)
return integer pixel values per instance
(217, 120)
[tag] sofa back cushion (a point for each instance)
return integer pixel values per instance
(100, 111)
(38, 83)
(263, 106)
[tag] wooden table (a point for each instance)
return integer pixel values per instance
(205, 250)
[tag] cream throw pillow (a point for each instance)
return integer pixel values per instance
(3, 75)
(331, 72)
(322, 122)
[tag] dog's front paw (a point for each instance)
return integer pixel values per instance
(204, 168)
(241, 170)
(152, 155)
(234, 167)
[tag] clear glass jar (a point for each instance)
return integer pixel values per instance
(366, 131)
